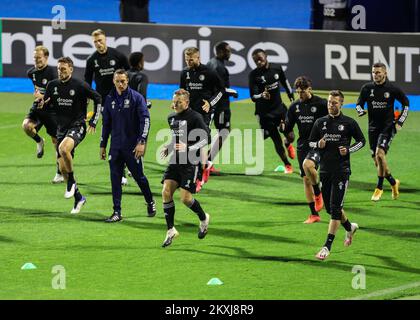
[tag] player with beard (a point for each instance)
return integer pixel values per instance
(69, 97)
(380, 96)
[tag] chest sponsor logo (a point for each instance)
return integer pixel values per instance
(386, 95)
(72, 92)
(379, 104)
(44, 81)
(112, 62)
(340, 127)
(313, 109)
(201, 77)
(276, 76)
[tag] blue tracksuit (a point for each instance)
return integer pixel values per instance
(126, 118)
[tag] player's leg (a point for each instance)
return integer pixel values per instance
(73, 138)
(327, 190)
(58, 178)
(50, 124)
(116, 168)
(373, 142)
(307, 185)
(31, 125)
(310, 166)
(309, 194)
(136, 168)
(222, 124)
(384, 142)
(278, 145)
(169, 187)
(339, 184)
(204, 172)
(289, 137)
(351, 229)
(65, 149)
(186, 192)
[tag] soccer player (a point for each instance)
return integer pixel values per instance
(304, 112)
(138, 79)
(69, 96)
(222, 110)
(40, 74)
(127, 120)
(189, 136)
(264, 87)
(205, 89)
(101, 66)
(380, 96)
(332, 135)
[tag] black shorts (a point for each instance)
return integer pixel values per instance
(271, 121)
(77, 133)
(381, 139)
(184, 174)
(43, 118)
(334, 187)
(310, 154)
(222, 119)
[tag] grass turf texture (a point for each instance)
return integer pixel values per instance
(257, 244)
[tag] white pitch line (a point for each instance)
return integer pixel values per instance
(9, 126)
(386, 291)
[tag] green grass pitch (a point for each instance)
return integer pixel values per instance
(257, 244)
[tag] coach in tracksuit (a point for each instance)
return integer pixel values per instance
(126, 118)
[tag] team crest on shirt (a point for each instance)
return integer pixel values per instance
(44, 81)
(340, 127)
(371, 93)
(313, 109)
(96, 63)
(201, 77)
(72, 92)
(126, 103)
(276, 76)
(386, 95)
(55, 91)
(112, 62)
